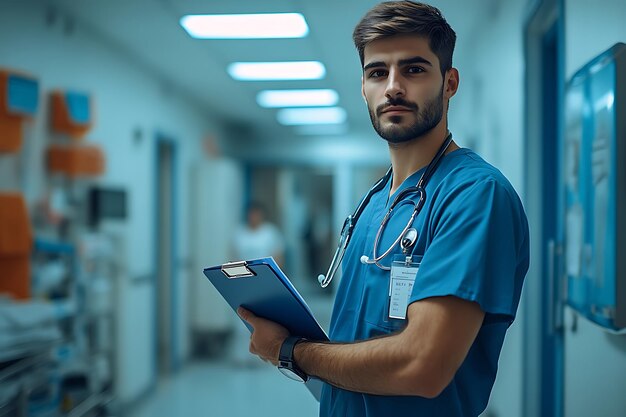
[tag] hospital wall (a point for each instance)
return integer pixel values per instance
(595, 361)
(488, 114)
(132, 104)
(489, 109)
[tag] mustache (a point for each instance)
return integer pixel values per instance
(396, 102)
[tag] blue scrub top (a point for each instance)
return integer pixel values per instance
(473, 236)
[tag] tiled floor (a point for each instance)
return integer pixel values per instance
(222, 389)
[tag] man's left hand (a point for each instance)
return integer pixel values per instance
(267, 336)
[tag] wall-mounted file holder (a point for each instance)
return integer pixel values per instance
(16, 244)
(76, 161)
(72, 113)
(19, 100)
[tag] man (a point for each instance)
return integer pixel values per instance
(257, 238)
(439, 356)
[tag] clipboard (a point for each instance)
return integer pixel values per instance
(260, 286)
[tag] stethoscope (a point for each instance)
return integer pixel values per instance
(406, 238)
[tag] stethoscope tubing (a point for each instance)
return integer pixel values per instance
(379, 233)
(349, 224)
(419, 189)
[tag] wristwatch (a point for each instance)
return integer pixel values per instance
(286, 364)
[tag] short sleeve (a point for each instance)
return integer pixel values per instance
(478, 249)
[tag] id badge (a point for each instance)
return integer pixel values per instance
(403, 272)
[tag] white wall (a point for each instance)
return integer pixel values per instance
(127, 97)
(595, 362)
(487, 115)
(488, 109)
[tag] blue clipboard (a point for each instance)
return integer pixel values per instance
(260, 286)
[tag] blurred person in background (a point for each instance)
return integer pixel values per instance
(422, 339)
(256, 238)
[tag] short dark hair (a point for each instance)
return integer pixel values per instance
(405, 18)
(256, 206)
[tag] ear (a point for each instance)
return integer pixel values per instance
(451, 83)
(363, 89)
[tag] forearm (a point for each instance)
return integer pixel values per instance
(382, 366)
(421, 360)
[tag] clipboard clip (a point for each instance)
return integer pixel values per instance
(238, 269)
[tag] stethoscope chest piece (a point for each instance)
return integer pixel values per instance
(407, 237)
(408, 240)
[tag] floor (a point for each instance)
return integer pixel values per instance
(215, 389)
(226, 387)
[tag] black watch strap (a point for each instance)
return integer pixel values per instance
(285, 357)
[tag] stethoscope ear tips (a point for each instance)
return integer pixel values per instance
(321, 278)
(364, 259)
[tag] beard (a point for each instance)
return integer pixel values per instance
(425, 119)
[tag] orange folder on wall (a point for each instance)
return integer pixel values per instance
(76, 161)
(19, 99)
(16, 242)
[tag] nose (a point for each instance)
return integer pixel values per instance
(395, 87)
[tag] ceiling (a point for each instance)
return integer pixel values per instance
(149, 31)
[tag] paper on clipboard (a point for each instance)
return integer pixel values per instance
(260, 286)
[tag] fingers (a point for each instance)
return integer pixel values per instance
(266, 338)
(247, 315)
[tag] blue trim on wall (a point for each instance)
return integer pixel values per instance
(559, 342)
(175, 359)
(174, 319)
(552, 103)
(155, 258)
(551, 395)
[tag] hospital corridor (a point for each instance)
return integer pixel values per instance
(357, 185)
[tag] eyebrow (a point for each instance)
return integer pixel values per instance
(402, 62)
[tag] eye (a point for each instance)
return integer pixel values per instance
(415, 70)
(377, 73)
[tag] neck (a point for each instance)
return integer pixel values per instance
(411, 156)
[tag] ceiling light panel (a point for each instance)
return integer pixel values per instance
(245, 26)
(297, 98)
(269, 71)
(311, 116)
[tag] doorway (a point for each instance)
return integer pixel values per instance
(543, 330)
(165, 255)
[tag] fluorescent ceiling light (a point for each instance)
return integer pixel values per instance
(315, 116)
(245, 26)
(297, 98)
(264, 71)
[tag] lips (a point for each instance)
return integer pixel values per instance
(395, 109)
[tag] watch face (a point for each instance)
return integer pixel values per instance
(291, 374)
